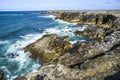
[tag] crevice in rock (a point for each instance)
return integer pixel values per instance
(108, 32)
(108, 18)
(74, 49)
(116, 76)
(114, 47)
(96, 20)
(100, 55)
(76, 65)
(103, 54)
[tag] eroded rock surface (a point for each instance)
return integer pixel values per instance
(92, 32)
(93, 69)
(98, 59)
(49, 47)
(85, 18)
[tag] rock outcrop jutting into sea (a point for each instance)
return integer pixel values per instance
(98, 59)
(49, 48)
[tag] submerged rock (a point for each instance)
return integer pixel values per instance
(49, 47)
(1, 76)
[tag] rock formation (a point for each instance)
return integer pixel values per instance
(84, 18)
(98, 59)
(49, 47)
(92, 32)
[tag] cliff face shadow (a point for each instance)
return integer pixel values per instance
(116, 76)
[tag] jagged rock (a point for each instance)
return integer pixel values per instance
(88, 50)
(85, 18)
(93, 69)
(105, 23)
(94, 60)
(116, 24)
(49, 47)
(92, 32)
(103, 66)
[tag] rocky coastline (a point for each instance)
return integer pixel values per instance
(98, 59)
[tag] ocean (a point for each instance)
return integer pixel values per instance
(18, 29)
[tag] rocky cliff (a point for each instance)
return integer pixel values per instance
(98, 59)
(105, 22)
(100, 20)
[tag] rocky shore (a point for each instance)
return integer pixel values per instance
(98, 59)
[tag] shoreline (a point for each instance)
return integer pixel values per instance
(97, 59)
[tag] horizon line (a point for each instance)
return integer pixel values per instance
(68, 10)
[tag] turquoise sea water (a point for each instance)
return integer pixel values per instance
(17, 30)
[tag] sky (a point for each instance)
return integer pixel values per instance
(18, 5)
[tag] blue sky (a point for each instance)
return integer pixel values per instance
(59, 4)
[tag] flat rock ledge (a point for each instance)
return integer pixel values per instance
(98, 59)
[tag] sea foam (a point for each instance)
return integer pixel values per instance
(48, 16)
(18, 55)
(61, 21)
(4, 42)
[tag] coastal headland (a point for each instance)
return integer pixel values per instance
(97, 59)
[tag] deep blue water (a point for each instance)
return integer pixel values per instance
(17, 30)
